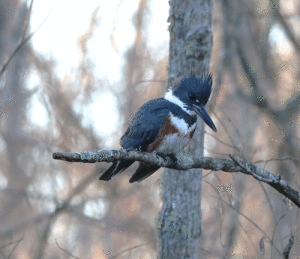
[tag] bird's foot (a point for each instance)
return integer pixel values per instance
(162, 155)
(165, 157)
(173, 158)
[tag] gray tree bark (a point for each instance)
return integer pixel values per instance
(190, 51)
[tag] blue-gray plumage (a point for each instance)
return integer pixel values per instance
(165, 124)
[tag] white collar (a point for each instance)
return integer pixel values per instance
(169, 96)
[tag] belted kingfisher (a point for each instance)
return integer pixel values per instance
(165, 125)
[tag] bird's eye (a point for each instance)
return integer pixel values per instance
(192, 97)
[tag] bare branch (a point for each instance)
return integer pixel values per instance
(15, 246)
(22, 41)
(127, 250)
(66, 251)
(185, 161)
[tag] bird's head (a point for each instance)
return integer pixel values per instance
(194, 93)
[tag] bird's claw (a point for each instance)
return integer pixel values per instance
(165, 157)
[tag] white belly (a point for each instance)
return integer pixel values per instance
(173, 144)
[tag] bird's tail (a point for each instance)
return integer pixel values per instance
(143, 172)
(115, 168)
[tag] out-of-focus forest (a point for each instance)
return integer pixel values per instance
(54, 209)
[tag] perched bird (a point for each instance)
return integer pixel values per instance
(165, 125)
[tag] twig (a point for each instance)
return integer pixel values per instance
(275, 181)
(23, 41)
(254, 224)
(276, 159)
(127, 250)
(221, 141)
(17, 243)
(66, 251)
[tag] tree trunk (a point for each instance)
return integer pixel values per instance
(190, 51)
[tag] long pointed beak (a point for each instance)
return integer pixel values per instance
(204, 115)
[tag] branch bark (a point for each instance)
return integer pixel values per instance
(185, 161)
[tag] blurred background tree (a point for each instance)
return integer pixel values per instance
(52, 209)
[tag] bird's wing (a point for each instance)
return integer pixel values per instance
(145, 125)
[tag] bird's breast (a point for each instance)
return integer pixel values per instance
(174, 136)
(181, 125)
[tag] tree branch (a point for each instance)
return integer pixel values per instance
(185, 161)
